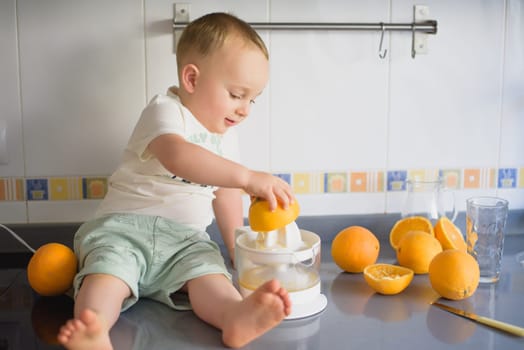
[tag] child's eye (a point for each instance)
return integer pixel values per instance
(252, 102)
(236, 97)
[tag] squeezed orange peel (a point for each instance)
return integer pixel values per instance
(388, 279)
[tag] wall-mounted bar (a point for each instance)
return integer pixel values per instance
(419, 28)
(429, 27)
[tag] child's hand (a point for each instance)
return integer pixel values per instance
(271, 188)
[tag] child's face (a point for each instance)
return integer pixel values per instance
(228, 83)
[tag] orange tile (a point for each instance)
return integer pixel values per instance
(19, 190)
(380, 181)
(471, 178)
(3, 195)
(358, 182)
(451, 178)
(95, 187)
(12, 189)
(336, 182)
(492, 178)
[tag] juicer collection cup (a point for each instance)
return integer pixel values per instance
(259, 258)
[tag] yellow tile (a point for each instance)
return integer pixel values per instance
(417, 174)
(302, 183)
(65, 188)
(492, 178)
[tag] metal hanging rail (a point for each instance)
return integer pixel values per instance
(428, 27)
(420, 27)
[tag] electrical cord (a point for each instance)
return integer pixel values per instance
(18, 238)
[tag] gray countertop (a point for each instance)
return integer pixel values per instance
(358, 318)
(355, 317)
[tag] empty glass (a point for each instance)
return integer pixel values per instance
(485, 222)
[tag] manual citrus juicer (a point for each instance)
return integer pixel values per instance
(273, 247)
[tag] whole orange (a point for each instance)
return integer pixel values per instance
(354, 248)
(454, 274)
(416, 250)
(51, 269)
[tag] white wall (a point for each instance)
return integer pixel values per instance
(75, 75)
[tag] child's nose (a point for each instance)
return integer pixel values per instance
(243, 109)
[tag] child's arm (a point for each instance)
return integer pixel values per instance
(229, 216)
(197, 164)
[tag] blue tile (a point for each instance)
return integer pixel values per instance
(507, 178)
(37, 189)
(285, 177)
(397, 180)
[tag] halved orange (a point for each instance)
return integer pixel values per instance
(388, 279)
(403, 226)
(261, 219)
(449, 235)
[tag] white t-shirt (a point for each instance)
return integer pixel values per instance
(142, 185)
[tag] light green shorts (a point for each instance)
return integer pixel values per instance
(154, 256)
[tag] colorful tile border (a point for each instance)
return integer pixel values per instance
(12, 189)
(354, 181)
(37, 189)
(94, 187)
(52, 188)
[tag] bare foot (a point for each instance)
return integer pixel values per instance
(262, 310)
(85, 333)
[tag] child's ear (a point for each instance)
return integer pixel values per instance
(189, 77)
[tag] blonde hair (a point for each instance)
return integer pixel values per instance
(208, 33)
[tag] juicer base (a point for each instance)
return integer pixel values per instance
(305, 303)
(308, 309)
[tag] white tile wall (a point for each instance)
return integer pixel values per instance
(75, 75)
(512, 126)
(10, 90)
(82, 83)
(328, 90)
(445, 106)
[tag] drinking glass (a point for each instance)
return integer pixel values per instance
(485, 223)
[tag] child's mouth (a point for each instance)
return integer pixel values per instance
(230, 122)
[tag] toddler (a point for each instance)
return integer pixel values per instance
(179, 169)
